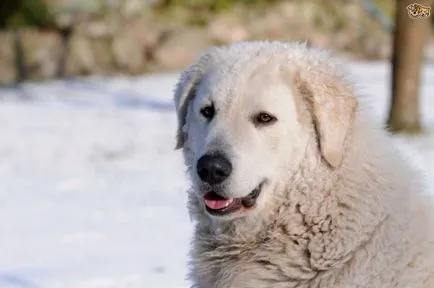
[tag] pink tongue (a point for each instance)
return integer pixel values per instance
(215, 202)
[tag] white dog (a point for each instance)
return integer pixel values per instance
(292, 184)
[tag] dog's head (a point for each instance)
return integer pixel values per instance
(246, 115)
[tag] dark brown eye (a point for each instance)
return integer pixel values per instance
(264, 118)
(207, 112)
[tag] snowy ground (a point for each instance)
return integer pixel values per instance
(91, 190)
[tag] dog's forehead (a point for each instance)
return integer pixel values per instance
(238, 81)
(216, 81)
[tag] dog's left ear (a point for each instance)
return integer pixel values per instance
(331, 100)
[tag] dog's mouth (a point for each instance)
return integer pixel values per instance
(219, 206)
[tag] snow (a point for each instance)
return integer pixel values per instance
(92, 193)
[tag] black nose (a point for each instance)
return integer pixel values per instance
(213, 169)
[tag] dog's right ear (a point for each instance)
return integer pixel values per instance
(184, 92)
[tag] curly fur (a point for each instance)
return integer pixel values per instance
(358, 221)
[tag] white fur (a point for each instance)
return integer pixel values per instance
(340, 207)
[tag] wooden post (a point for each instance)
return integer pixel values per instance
(410, 36)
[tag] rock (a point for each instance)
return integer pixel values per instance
(289, 9)
(42, 51)
(269, 24)
(353, 11)
(146, 32)
(128, 53)
(90, 56)
(180, 48)
(98, 29)
(7, 58)
(65, 20)
(80, 59)
(342, 40)
(226, 30)
(319, 40)
(131, 8)
(377, 48)
(135, 45)
(103, 55)
(308, 12)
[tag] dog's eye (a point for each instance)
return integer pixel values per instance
(207, 112)
(264, 118)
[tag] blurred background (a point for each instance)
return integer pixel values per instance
(81, 37)
(92, 193)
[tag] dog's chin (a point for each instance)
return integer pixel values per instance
(226, 208)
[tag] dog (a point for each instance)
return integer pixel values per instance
(292, 183)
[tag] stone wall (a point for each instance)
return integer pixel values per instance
(148, 42)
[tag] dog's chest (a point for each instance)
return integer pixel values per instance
(255, 264)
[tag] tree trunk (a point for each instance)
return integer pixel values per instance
(410, 35)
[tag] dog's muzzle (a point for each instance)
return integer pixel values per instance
(219, 206)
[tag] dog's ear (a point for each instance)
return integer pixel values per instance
(332, 104)
(184, 92)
